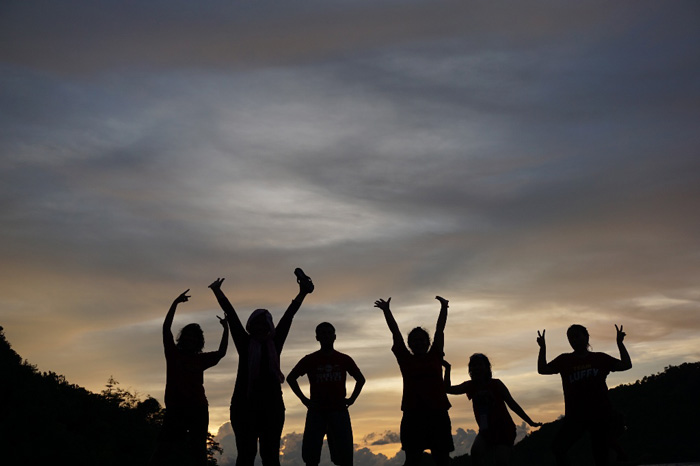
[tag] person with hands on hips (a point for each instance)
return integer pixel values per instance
(327, 414)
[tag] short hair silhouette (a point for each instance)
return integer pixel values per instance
(323, 325)
(425, 424)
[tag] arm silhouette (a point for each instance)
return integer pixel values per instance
(439, 337)
(542, 366)
(285, 323)
(238, 333)
(390, 321)
(294, 385)
(514, 406)
(625, 362)
(168, 322)
(447, 381)
(359, 383)
(223, 345)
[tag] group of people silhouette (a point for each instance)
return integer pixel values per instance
(258, 412)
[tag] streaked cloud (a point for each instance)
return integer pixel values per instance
(534, 163)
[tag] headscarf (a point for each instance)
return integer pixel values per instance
(255, 350)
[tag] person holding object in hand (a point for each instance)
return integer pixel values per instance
(257, 407)
(494, 442)
(587, 405)
(425, 424)
(183, 439)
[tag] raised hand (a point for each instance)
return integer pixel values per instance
(442, 300)
(216, 285)
(383, 305)
(183, 298)
(306, 285)
(540, 339)
(620, 334)
(222, 322)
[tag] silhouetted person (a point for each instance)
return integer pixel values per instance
(494, 442)
(425, 424)
(183, 439)
(257, 408)
(327, 413)
(587, 405)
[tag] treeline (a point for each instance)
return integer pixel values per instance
(44, 419)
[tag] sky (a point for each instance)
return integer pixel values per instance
(534, 162)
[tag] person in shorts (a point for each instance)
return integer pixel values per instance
(425, 424)
(327, 405)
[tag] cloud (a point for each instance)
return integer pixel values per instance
(291, 451)
(463, 441)
(172, 34)
(536, 165)
(363, 456)
(381, 439)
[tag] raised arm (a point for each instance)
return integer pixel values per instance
(237, 330)
(441, 321)
(223, 345)
(542, 366)
(390, 321)
(625, 361)
(515, 407)
(168, 322)
(306, 286)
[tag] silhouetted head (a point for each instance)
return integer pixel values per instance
(480, 367)
(190, 339)
(578, 337)
(325, 334)
(419, 341)
(260, 325)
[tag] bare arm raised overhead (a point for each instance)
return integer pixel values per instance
(439, 337)
(168, 322)
(223, 345)
(390, 321)
(306, 286)
(238, 332)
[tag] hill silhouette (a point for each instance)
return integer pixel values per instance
(44, 419)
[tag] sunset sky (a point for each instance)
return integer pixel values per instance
(536, 163)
